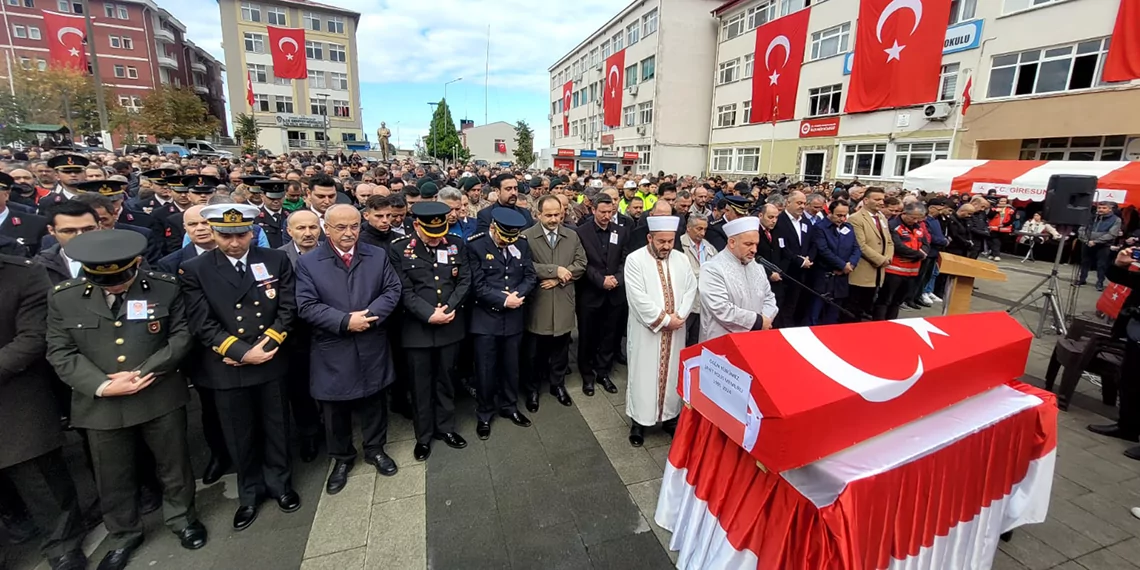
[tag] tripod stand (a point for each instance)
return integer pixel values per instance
(1051, 307)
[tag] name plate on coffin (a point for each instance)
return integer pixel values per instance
(820, 390)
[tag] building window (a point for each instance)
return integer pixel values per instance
(339, 81)
(132, 73)
(729, 71)
(632, 33)
(282, 80)
(336, 25)
(128, 43)
(336, 53)
(606, 49)
(647, 68)
(618, 39)
(595, 57)
(316, 79)
(275, 16)
(319, 106)
(19, 31)
(25, 3)
(256, 72)
(748, 160)
(284, 103)
(250, 12)
(631, 75)
(629, 115)
(832, 41)
(746, 112)
(314, 50)
(1077, 148)
(33, 32)
(909, 156)
(573, 128)
(261, 102)
(254, 43)
(749, 59)
(340, 108)
(25, 63)
(64, 5)
(726, 115)
(593, 92)
(649, 23)
(555, 132)
(116, 42)
(120, 71)
(762, 14)
(576, 69)
(643, 158)
(948, 84)
(1051, 70)
(962, 10)
(645, 112)
(1019, 5)
(312, 21)
(722, 160)
(864, 159)
(41, 64)
(824, 100)
(574, 100)
(732, 27)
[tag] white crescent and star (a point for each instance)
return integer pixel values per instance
(281, 46)
(870, 387)
(613, 86)
(69, 30)
(915, 6)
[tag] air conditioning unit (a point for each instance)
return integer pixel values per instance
(550, 117)
(598, 102)
(633, 90)
(641, 130)
(937, 111)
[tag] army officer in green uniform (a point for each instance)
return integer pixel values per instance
(116, 335)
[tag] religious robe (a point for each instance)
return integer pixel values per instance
(732, 295)
(654, 289)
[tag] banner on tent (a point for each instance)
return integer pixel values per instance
(1037, 193)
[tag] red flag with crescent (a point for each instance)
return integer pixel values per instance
(1123, 62)
(567, 91)
(611, 94)
(249, 90)
(776, 67)
(898, 53)
(66, 40)
(287, 46)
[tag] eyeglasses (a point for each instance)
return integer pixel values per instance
(343, 228)
(74, 231)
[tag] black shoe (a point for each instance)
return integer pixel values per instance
(74, 560)
(193, 536)
(532, 402)
(608, 384)
(562, 395)
(289, 501)
(1132, 453)
(150, 500)
(669, 426)
(1113, 430)
(588, 387)
(922, 302)
(452, 439)
(483, 430)
(637, 435)
(384, 465)
(309, 449)
(118, 558)
(339, 476)
(421, 451)
(244, 517)
(912, 305)
(516, 418)
(215, 468)
(1100, 286)
(20, 529)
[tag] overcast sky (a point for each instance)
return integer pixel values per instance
(410, 48)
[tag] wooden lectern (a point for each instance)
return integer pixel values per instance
(963, 271)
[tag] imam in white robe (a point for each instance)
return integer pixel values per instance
(732, 295)
(655, 289)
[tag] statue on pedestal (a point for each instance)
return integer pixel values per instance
(384, 135)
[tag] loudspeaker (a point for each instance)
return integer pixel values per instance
(1069, 199)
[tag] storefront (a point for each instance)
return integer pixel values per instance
(588, 161)
(564, 159)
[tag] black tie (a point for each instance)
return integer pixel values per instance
(240, 269)
(117, 303)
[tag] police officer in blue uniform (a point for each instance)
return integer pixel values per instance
(502, 275)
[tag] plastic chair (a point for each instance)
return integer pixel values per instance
(1088, 347)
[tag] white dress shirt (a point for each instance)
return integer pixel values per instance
(73, 266)
(242, 259)
(4, 215)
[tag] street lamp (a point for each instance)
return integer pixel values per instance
(325, 99)
(433, 130)
(449, 83)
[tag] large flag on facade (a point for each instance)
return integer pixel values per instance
(778, 57)
(898, 53)
(611, 95)
(65, 39)
(567, 90)
(286, 45)
(1123, 62)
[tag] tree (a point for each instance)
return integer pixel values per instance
(177, 113)
(247, 130)
(58, 94)
(12, 116)
(126, 121)
(443, 140)
(524, 141)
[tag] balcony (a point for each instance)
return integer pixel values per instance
(163, 35)
(201, 90)
(198, 66)
(167, 61)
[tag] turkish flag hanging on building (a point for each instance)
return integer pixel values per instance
(611, 93)
(249, 89)
(501, 147)
(779, 55)
(65, 39)
(287, 46)
(567, 90)
(1123, 62)
(898, 53)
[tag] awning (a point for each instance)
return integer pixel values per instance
(1025, 179)
(40, 128)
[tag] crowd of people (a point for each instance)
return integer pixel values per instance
(295, 293)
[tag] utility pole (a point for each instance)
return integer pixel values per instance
(89, 43)
(325, 99)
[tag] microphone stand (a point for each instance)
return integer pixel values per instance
(784, 277)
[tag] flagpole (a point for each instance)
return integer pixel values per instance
(11, 83)
(487, 76)
(772, 143)
(958, 121)
(99, 101)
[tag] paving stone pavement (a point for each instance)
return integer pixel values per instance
(570, 492)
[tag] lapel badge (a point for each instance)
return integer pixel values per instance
(490, 257)
(154, 327)
(16, 221)
(454, 272)
(270, 293)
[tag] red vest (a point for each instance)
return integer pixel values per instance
(1001, 222)
(913, 240)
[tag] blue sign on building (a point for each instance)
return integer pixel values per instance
(588, 154)
(962, 37)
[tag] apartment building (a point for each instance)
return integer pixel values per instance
(493, 142)
(1035, 95)
(139, 45)
(322, 111)
(669, 49)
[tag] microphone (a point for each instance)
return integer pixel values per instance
(784, 277)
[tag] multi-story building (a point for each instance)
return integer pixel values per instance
(139, 47)
(669, 49)
(1034, 96)
(322, 111)
(493, 142)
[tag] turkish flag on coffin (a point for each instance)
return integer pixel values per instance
(611, 94)
(820, 390)
(567, 90)
(287, 46)
(1123, 62)
(780, 48)
(898, 53)
(65, 40)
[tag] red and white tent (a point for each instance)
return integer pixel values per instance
(1024, 179)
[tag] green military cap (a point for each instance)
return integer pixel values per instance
(109, 257)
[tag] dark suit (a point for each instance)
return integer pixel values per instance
(273, 225)
(156, 241)
(171, 263)
(57, 268)
(601, 312)
(793, 240)
(171, 217)
(832, 248)
(484, 216)
(306, 417)
(639, 236)
(25, 227)
(715, 234)
(231, 313)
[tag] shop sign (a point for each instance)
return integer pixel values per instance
(630, 156)
(607, 139)
(303, 121)
(828, 127)
(588, 154)
(565, 152)
(609, 153)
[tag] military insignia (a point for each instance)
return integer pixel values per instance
(232, 217)
(270, 293)
(490, 257)
(455, 272)
(181, 271)
(453, 250)
(154, 327)
(70, 161)
(16, 221)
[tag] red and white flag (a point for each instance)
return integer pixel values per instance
(898, 53)
(286, 45)
(611, 94)
(249, 90)
(779, 55)
(966, 100)
(567, 90)
(65, 39)
(1123, 62)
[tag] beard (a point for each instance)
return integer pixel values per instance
(659, 254)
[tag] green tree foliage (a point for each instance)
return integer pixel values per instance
(177, 113)
(524, 141)
(12, 115)
(443, 140)
(246, 130)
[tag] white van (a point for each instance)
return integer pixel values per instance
(203, 148)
